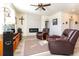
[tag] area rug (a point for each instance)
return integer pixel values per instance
(35, 46)
(43, 42)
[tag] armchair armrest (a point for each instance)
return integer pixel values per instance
(60, 47)
(54, 36)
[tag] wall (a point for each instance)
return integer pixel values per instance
(55, 29)
(33, 21)
(65, 18)
(1, 18)
(43, 19)
(71, 21)
(4, 19)
(74, 19)
(38, 21)
(62, 19)
(18, 23)
(9, 19)
(30, 21)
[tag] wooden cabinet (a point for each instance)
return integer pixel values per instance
(16, 41)
(1, 47)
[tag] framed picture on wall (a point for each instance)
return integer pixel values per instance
(55, 21)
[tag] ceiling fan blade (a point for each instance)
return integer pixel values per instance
(37, 8)
(47, 5)
(34, 5)
(43, 8)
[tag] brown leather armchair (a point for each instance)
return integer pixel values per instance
(63, 45)
(43, 35)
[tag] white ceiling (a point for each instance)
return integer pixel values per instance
(24, 6)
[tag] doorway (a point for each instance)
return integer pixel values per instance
(46, 24)
(71, 23)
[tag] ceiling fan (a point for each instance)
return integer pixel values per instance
(41, 5)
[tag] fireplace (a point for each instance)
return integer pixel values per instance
(33, 30)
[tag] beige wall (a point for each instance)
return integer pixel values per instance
(71, 21)
(38, 21)
(8, 20)
(1, 18)
(18, 25)
(11, 19)
(55, 29)
(30, 21)
(63, 18)
(43, 19)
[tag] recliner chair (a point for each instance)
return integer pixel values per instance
(43, 35)
(63, 45)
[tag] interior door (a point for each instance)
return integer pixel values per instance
(71, 24)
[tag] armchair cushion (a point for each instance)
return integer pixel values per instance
(54, 36)
(60, 47)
